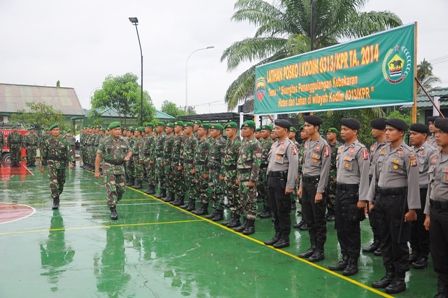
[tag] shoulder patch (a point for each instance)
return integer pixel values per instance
(365, 154)
(327, 151)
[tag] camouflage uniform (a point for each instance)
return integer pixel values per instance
(231, 152)
(201, 170)
(71, 141)
(148, 157)
(330, 192)
(15, 144)
(215, 191)
(177, 170)
(129, 165)
(262, 179)
(188, 154)
(248, 167)
(159, 171)
(31, 141)
(56, 151)
(138, 162)
(113, 151)
(168, 171)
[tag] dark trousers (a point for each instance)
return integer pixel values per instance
(395, 233)
(348, 217)
(439, 241)
(314, 213)
(375, 224)
(419, 236)
(280, 205)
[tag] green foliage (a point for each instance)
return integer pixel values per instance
(425, 76)
(171, 109)
(39, 115)
(122, 94)
(283, 29)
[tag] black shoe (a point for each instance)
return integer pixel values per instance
(351, 268)
(340, 265)
(234, 221)
(372, 247)
(241, 228)
(113, 213)
(138, 184)
(151, 190)
(169, 197)
(265, 214)
(330, 217)
(250, 227)
(273, 240)
(211, 215)
(299, 225)
(162, 193)
(413, 257)
(191, 205)
(442, 289)
(396, 286)
(304, 227)
(55, 203)
(420, 263)
(378, 252)
(306, 254)
(178, 202)
(219, 215)
(281, 243)
(316, 256)
(202, 210)
(383, 282)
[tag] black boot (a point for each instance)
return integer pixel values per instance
(241, 227)
(340, 265)
(413, 256)
(266, 213)
(162, 194)
(151, 190)
(130, 182)
(420, 263)
(372, 247)
(138, 183)
(283, 241)
(442, 286)
(55, 203)
(169, 197)
(179, 201)
(203, 209)
(113, 213)
(306, 254)
(191, 205)
(211, 215)
(274, 239)
(352, 267)
(385, 281)
(250, 227)
(234, 221)
(219, 215)
(299, 225)
(378, 252)
(318, 255)
(397, 285)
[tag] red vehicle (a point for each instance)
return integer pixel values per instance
(5, 157)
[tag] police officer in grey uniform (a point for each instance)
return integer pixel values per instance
(436, 208)
(352, 187)
(399, 198)
(282, 174)
(419, 236)
(432, 128)
(377, 153)
(314, 180)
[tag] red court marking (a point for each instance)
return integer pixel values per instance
(14, 212)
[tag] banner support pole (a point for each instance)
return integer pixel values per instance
(414, 106)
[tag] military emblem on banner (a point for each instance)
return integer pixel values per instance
(397, 64)
(260, 88)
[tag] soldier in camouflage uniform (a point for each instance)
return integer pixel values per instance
(136, 160)
(147, 155)
(229, 176)
(114, 151)
(248, 167)
(304, 137)
(158, 152)
(200, 170)
(45, 136)
(168, 171)
(330, 192)
(266, 143)
(177, 164)
(215, 185)
(292, 137)
(15, 145)
(72, 142)
(2, 140)
(129, 164)
(56, 151)
(31, 141)
(188, 153)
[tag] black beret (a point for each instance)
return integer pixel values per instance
(313, 120)
(432, 119)
(397, 123)
(283, 123)
(351, 123)
(418, 127)
(442, 124)
(379, 123)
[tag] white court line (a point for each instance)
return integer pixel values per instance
(17, 219)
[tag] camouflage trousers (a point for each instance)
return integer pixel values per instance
(115, 182)
(15, 154)
(56, 173)
(231, 191)
(215, 190)
(178, 183)
(30, 155)
(169, 183)
(160, 173)
(202, 187)
(91, 155)
(248, 196)
(129, 170)
(262, 192)
(330, 194)
(190, 182)
(150, 166)
(138, 168)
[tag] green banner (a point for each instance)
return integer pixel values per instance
(376, 70)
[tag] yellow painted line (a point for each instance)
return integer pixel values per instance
(340, 276)
(40, 230)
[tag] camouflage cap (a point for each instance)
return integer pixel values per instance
(170, 125)
(332, 129)
(292, 129)
(204, 125)
(131, 128)
(258, 129)
(199, 122)
(179, 123)
(267, 127)
(231, 125)
(216, 126)
(248, 123)
(187, 124)
(53, 126)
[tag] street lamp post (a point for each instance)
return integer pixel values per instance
(186, 72)
(134, 21)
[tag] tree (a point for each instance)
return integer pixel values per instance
(122, 94)
(171, 109)
(283, 29)
(425, 76)
(39, 115)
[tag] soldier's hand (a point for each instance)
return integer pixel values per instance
(193, 171)
(427, 223)
(70, 165)
(371, 206)
(299, 192)
(318, 198)
(97, 174)
(411, 215)
(288, 190)
(126, 158)
(361, 204)
(250, 184)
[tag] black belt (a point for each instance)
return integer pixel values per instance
(232, 167)
(347, 187)
(278, 174)
(393, 191)
(115, 163)
(310, 179)
(443, 205)
(57, 159)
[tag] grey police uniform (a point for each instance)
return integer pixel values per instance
(282, 173)
(352, 180)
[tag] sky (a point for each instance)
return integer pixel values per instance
(80, 42)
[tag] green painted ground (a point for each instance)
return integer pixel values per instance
(155, 250)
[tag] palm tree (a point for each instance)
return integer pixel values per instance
(284, 29)
(425, 76)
